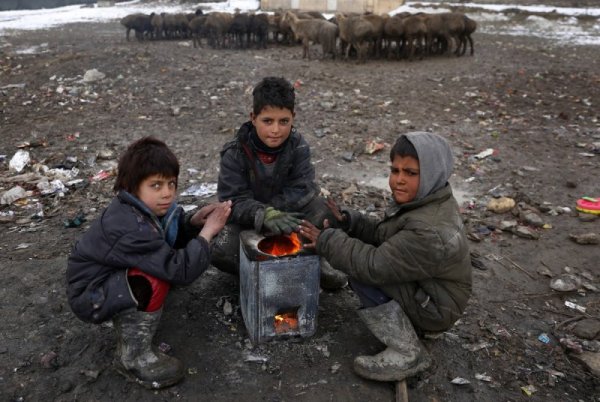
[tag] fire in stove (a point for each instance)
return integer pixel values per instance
(286, 321)
(281, 246)
(279, 287)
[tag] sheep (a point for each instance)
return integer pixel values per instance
(470, 27)
(313, 30)
(139, 22)
(356, 32)
(157, 26)
(217, 27)
(378, 22)
(197, 29)
(240, 29)
(259, 27)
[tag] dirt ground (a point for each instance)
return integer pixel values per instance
(533, 102)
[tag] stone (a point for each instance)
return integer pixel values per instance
(588, 328)
(590, 360)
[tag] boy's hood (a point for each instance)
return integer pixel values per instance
(435, 161)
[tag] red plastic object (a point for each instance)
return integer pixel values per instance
(589, 205)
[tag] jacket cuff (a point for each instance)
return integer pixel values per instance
(259, 218)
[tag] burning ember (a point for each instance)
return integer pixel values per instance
(286, 322)
(281, 245)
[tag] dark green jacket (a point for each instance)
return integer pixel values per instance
(418, 255)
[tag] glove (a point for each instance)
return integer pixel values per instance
(278, 222)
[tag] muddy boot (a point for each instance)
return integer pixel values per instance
(404, 357)
(135, 357)
(331, 279)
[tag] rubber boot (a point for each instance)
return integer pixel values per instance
(331, 279)
(404, 357)
(135, 356)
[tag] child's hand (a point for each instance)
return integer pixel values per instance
(339, 216)
(199, 218)
(310, 232)
(216, 220)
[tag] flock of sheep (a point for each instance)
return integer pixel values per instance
(403, 35)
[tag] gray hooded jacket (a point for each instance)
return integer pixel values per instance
(418, 253)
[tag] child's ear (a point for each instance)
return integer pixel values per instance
(252, 117)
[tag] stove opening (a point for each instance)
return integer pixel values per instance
(286, 320)
(280, 245)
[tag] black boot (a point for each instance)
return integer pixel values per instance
(331, 278)
(404, 357)
(135, 356)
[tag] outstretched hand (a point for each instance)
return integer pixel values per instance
(335, 210)
(311, 232)
(199, 218)
(215, 220)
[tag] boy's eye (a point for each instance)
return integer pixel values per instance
(172, 184)
(284, 122)
(155, 186)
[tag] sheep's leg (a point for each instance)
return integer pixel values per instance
(305, 54)
(471, 43)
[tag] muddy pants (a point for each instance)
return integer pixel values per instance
(225, 253)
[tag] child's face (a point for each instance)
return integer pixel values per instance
(158, 193)
(273, 125)
(404, 178)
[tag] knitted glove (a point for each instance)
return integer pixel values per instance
(278, 222)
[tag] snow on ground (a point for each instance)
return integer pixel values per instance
(491, 18)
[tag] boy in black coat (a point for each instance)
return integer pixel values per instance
(267, 173)
(123, 266)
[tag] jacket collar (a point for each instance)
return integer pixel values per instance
(438, 196)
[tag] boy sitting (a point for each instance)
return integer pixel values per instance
(413, 267)
(123, 266)
(267, 173)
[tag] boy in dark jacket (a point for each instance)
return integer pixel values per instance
(267, 172)
(413, 267)
(123, 266)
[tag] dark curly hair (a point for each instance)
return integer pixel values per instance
(273, 91)
(143, 158)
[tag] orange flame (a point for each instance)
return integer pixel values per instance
(281, 245)
(285, 322)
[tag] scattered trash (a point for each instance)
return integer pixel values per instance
(501, 205)
(460, 381)
(227, 308)
(529, 390)
(19, 160)
(484, 154)
(22, 246)
(12, 195)
(335, 368)
(93, 75)
(250, 358)
(589, 205)
(50, 187)
(543, 337)
(565, 283)
(373, 147)
(102, 175)
(474, 347)
(574, 306)
(76, 221)
(8, 216)
(483, 377)
(200, 190)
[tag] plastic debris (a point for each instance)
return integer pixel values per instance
(164, 347)
(201, 190)
(373, 147)
(54, 186)
(19, 160)
(76, 221)
(484, 154)
(12, 195)
(93, 75)
(501, 205)
(544, 338)
(483, 377)
(574, 306)
(250, 358)
(529, 390)
(102, 175)
(460, 381)
(571, 345)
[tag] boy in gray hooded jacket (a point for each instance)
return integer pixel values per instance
(412, 269)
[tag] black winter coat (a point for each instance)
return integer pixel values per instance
(241, 178)
(126, 236)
